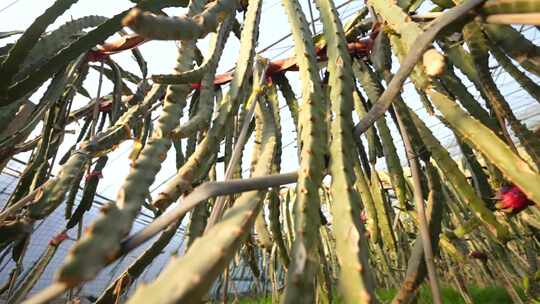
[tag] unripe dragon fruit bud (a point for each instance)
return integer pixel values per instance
(512, 200)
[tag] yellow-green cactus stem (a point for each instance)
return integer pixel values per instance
(188, 27)
(510, 7)
(515, 45)
(300, 286)
(211, 253)
(478, 44)
(373, 88)
(201, 119)
(101, 243)
(352, 248)
(192, 170)
(482, 139)
(455, 177)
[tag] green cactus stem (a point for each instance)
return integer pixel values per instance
(287, 92)
(54, 92)
(425, 233)
(371, 136)
(480, 179)
(34, 175)
(89, 192)
(467, 100)
(510, 7)
(180, 28)
(382, 207)
(373, 140)
(198, 220)
(373, 88)
(300, 286)
(70, 200)
(201, 119)
(483, 140)
(290, 196)
(515, 45)
(83, 263)
(274, 201)
(209, 254)
(362, 186)
(236, 155)
(199, 195)
(124, 280)
(217, 43)
(264, 239)
(453, 174)
(103, 142)
(21, 49)
(416, 268)
(417, 41)
(40, 74)
(478, 45)
(48, 45)
(521, 78)
(39, 268)
(192, 170)
(352, 248)
(13, 230)
(51, 194)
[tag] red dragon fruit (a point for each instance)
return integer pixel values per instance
(512, 200)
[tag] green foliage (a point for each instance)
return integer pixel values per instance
(449, 295)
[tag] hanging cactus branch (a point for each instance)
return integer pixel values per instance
(179, 28)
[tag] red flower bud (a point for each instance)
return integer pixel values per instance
(93, 56)
(93, 174)
(513, 199)
(105, 105)
(59, 238)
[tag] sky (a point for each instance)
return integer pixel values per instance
(161, 55)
